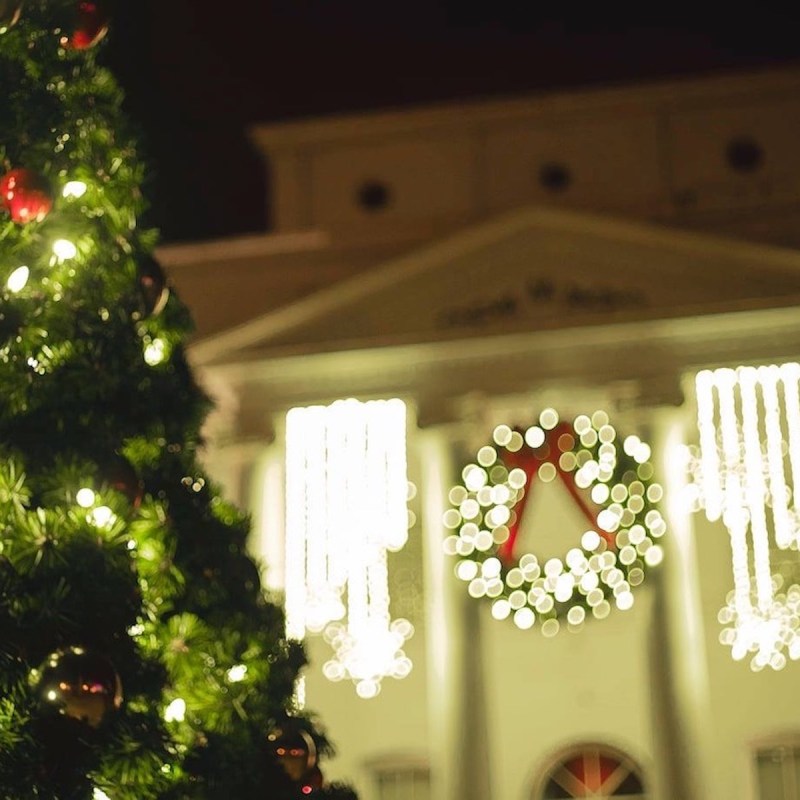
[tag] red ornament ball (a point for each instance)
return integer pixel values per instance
(9, 13)
(91, 25)
(26, 195)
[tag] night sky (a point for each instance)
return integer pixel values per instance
(197, 73)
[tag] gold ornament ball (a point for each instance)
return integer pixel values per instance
(294, 750)
(80, 684)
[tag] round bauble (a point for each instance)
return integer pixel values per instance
(245, 572)
(90, 26)
(80, 684)
(9, 14)
(152, 286)
(26, 195)
(294, 750)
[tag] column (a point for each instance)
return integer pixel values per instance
(682, 712)
(458, 725)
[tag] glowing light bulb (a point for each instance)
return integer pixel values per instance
(367, 689)
(85, 498)
(534, 436)
(176, 710)
(237, 673)
(17, 279)
(102, 517)
(590, 540)
(74, 189)
(64, 249)
(524, 618)
(548, 419)
(155, 352)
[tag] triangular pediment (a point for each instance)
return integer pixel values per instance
(534, 270)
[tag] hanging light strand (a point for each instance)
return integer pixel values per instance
(790, 375)
(754, 489)
(741, 473)
(296, 523)
(768, 378)
(346, 473)
(710, 473)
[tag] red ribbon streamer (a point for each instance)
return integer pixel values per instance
(529, 460)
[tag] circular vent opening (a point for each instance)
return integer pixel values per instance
(374, 196)
(744, 154)
(555, 177)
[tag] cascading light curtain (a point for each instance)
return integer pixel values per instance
(747, 473)
(346, 496)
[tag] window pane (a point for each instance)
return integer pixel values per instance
(404, 784)
(423, 787)
(770, 776)
(385, 788)
(630, 786)
(796, 769)
(553, 791)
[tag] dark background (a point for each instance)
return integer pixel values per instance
(197, 72)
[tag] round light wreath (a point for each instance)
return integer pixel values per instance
(610, 482)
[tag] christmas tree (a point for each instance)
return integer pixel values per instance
(139, 657)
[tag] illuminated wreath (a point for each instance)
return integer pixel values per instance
(610, 484)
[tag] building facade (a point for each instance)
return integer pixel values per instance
(581, 252)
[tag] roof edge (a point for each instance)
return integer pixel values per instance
(429, 256)
(683, 92)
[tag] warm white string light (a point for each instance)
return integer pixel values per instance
(790, 375)
(343, 434)
(18, 279)
(346, 489)
(733, 511)
(312, 600)
(710, 472)
(296, 523)
(768, 378)
(741, 476)
(753, 492)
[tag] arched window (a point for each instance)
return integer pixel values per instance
(591, 770)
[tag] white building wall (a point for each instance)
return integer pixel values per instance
(544, 694)
(488, 705)
(745, 707)
(391, 728)
(487, 702)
